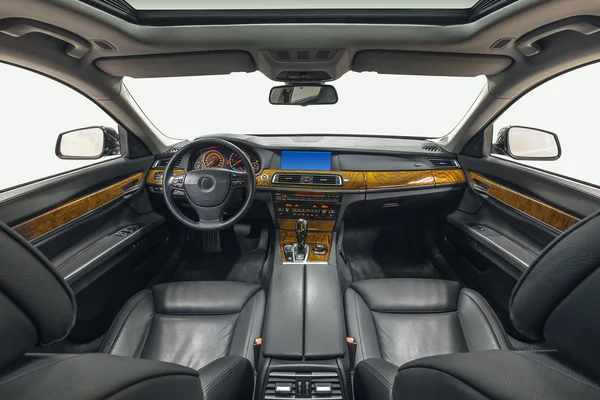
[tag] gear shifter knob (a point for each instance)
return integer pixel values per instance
(301, 233)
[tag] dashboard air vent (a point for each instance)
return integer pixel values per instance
(432, 147)
(163, 163)
(315, 180)
(293, 385)
(444, 163)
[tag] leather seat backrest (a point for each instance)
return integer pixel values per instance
(36, 305)
(558, 298)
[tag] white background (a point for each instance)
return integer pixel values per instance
(34, 110)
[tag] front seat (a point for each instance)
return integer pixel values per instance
(38, 308)
(556, 300)
(207, 326)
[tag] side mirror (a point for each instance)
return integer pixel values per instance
(303, 95)
(524, 143)
(88, 143)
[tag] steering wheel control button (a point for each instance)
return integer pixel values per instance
(178, 181)
(237, 180)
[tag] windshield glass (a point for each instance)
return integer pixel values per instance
(369, 104)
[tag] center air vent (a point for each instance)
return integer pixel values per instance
(294, 385)
(301, 179)
(444, 163)
(302, 55)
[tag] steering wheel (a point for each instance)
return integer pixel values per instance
(208, 191)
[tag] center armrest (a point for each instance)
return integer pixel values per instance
(304, 313)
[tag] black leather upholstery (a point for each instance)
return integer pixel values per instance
(400, 320)
(207, 326)
(98, 376)
(498, 375)
(558, 298)
(189, 323)
(36, 305)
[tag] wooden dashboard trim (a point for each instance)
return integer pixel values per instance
(312, 238)
(531, 206)
(74, 209)
(398, 179)
(150, 177)
(289, 224)
(448, 176)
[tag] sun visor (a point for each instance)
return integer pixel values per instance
(439, 64)
(188, 64)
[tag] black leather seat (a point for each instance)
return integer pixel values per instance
(556, 300)
(193, 324)
(395, 321)
(209, 326)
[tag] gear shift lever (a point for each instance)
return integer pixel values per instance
(301, 233)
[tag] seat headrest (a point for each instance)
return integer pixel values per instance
(36, 304)
(558, 297)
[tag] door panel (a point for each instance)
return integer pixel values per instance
(77, 221)
(507, 216)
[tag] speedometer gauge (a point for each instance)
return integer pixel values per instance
(213, 159)
(236, 163)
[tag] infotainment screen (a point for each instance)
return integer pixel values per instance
(306, 160)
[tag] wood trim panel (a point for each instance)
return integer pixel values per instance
(533, 207)
(313, 225)
(150, 177)
(353, 180)
(74, 209)
(449, 176)
(398, 179)
(289, 237)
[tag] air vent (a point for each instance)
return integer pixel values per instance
(163, 163)
(315, 180)
(302, 55)
(444, 163)
(323, 55)
(291, 385)
(283, 55)
(432, 148)
(174, 149)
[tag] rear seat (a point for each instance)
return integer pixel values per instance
(395, 321)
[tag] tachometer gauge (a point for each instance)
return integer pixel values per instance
(255, 167)
(236, 163)
(213, 159)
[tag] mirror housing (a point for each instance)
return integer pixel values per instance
(303, 95)
(89, 143)
(525, 143)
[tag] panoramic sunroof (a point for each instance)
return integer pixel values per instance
(222, 12)
(298, 5)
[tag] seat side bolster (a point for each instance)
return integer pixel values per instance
(248, 327)
(374, 379)
(479, 323)
(494, 374)
(127, 335)
(360, 326)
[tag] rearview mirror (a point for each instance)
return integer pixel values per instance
(524, 143)
(87, 143)
(303, 95)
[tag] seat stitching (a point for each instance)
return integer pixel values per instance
(451, 376)
(362, 351)
(379, 374)
(251, 325)
(146, 335)
(37, 369)
(218, 377)
(559, 371)
(121, 324)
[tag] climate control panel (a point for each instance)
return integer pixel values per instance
(307, 205)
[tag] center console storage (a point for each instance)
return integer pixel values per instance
(304, 349)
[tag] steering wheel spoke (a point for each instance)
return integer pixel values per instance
(209, 214)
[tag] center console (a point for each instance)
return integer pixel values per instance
(304, 351)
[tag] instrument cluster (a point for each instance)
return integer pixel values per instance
(221, 157)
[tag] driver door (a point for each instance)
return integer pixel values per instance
(83, 203)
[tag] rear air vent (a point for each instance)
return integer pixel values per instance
(291, 385)
(314, 180)
(444, 163)
(302, 55)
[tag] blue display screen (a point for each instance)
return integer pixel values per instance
(306, 160)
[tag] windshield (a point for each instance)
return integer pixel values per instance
(369, 104)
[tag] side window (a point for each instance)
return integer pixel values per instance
(34, 111)
(566, 106)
